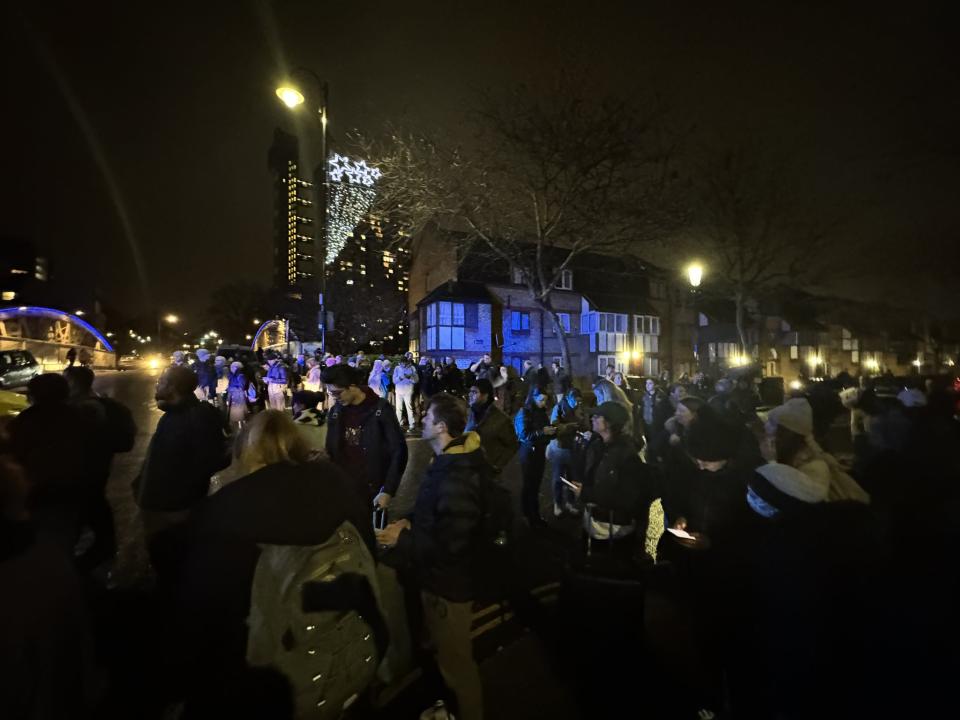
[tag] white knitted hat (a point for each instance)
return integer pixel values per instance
(795, 415)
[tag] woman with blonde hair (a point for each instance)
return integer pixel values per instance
(277, 526)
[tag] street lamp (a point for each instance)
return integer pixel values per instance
(292, 97)
(695, 274)
(172, 319)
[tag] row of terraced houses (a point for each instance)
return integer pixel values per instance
(647, 321)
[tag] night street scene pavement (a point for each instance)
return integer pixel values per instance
(492, 360)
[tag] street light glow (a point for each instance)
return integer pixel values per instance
(695, 274)
(290, 96)
(172, 319)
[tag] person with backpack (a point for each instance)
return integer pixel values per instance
(250, 588)
(112, 431)
(363, 436)
(440, 545)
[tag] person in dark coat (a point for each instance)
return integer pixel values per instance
(46, 648)
(363, 436)
(615, 482)
(113, 431)
(227, 533)
(206, 375)
(187, 448)
(559, 380)
(53, 444)
(706, 500)
(439, 545)
(497, 438)
(451, 378)
(569, 417)
(533, 429)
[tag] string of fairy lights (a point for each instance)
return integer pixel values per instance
(351, 195)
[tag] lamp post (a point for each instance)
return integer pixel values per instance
(169, 319)
(291, 96)
(694, 273)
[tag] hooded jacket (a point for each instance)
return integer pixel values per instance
(187, 448)
(382, 442)
(497, 438)
(404, 378)
(441, 548)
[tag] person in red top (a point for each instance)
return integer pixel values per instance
(363, 435)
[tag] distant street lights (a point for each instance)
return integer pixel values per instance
(171, 319)
(695, 274)
(291, 95)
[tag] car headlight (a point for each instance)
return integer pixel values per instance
(154, 363)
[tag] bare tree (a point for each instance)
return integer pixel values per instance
(757, 232)
(545, 177)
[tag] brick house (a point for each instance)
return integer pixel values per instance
(612, 309)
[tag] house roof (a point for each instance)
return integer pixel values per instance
(617, 303)
(458, 290)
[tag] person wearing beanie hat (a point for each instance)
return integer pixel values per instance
(615, 482)
(790, 430)
(206, 376)
(237, 389)
(706, 496)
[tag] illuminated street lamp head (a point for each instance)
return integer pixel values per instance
(695, 274)
(172, 319)
(290, 96)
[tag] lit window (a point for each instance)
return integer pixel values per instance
(565, 281)
(8, 295)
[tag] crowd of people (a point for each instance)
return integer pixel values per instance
(290, 583)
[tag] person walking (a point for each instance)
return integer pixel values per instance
(439, 544)
(533, 429)
(364, 438)
(404, 380)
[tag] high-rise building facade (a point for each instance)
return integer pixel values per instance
(295, 265)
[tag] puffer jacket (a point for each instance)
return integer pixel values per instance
(442, 546)
(529, 424)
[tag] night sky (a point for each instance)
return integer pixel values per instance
(143, 129)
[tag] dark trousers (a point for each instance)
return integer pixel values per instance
(98, 516)
(532, 462)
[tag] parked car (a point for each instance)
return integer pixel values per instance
(17, 368)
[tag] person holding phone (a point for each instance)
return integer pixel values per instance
(534, 431)
(615, 481)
